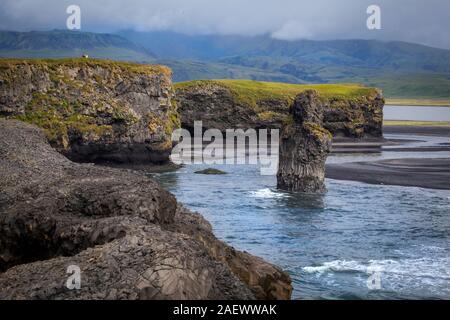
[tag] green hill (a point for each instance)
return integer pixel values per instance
(402, 70)
(62, 44)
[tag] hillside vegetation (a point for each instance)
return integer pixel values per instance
(63, 44)
(350, 110)
(401, 70)
(253, 92)
(84, 104)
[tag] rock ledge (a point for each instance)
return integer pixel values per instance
(130, 238)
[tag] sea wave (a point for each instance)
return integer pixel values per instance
(267, 194)
(438, 268)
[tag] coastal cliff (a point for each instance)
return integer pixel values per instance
(349, 110)
(308, 116)
(129, 237)
(93, 110)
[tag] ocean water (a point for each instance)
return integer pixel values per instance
(417, 113)
(332, 245)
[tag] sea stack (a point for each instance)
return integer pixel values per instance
(304, 146)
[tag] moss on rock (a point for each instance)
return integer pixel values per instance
(91, 102)
(267, 104)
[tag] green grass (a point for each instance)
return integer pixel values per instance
(195, 70)
(412, 86)
(57, 111)
(148, 69)
(417, 123)
(253, 92)
(419, 102)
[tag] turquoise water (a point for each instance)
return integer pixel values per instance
(330, 243)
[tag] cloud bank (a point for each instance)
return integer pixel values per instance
(419, 21)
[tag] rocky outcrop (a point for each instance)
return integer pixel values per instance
(129, 237)
(348, 110)
(360, 117)
(307, 119)
(93, 110)
(218, 107)
(304, 146)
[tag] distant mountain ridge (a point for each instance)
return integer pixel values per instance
(64, 43)
(401, 69)
(354, 53)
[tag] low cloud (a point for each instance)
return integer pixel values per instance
(292, 30)
(421, 21)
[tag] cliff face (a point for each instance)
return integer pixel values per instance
(308, 117)
(93, 110)
(129, 237)
(304, 147)
(348, 110)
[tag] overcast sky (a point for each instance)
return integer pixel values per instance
(420, 21)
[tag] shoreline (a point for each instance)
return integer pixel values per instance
(442, 131)
(432, 173)
(111, 221)
(422, 173)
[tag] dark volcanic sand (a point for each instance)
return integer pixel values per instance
(418, 130)
(425, 173)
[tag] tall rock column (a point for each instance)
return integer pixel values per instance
(304, 147)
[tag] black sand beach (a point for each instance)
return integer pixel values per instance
(418, 172)
(419, 130)
(425, 173)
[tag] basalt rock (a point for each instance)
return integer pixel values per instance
(216, 105)
(210, 171)
(307, 121)
(129, 237)
(93, 110)
(304, 146)
(356, 113)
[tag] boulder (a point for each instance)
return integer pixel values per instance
(210, 171)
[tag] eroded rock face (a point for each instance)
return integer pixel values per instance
(217, 107)
(307, 121)
(130, 238)
(220, 108)
(304, 146)
(93, 110)
(355, 119)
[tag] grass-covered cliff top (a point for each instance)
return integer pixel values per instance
(149, 69)
(66, 103)
(254, 91)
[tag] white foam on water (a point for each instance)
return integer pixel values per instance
(423, 267)
(431, 274)
(337, 266)
(267, 194)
